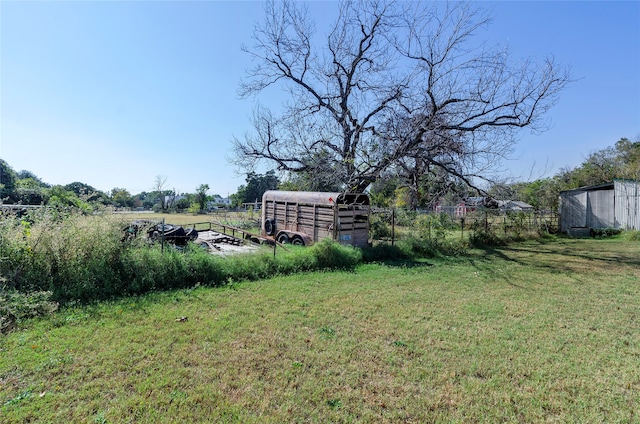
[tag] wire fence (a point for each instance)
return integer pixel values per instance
(395, 224)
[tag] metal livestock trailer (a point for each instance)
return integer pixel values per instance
(305, 217)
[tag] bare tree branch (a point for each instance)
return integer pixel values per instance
(394, 84)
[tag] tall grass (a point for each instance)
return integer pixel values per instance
(83, 259)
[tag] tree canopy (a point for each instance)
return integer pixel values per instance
(256, 186)
(389, 86)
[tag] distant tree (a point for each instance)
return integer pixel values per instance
(391, 81)
(121, 197)
(8, 179)
(60, 197)
(79, 189)
(184, 202)
(33, 179)
(86, 192)
(160, 187)
(629, 158)
(30, 183)
(147, 200)
(256, 186)
(31, 196)
(31, 190)
(237, 198)
(201, 196)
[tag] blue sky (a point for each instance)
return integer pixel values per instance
(114, 93)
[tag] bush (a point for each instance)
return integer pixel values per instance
(331, 255)
(420, 247)
(385, 251)
(16, 306)
(379, 225)
(482, 238)
(604, 232)
(631, 235)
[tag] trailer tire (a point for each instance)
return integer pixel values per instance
(297, 241)
(191, 233)
(269, 226)
(283, 238)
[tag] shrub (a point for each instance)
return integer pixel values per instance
(331, 255)
(385, 251)
(631, 235)
(405, 217)
(485, 238)
(379, 225)
(604, 232)
(15, 306)
(420, 247)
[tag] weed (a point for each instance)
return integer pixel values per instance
(334, 403)
(328, 332)
(100, 418)
(631, 235)
(16, 306)
(19, 398)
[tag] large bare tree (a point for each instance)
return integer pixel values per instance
(389, 83)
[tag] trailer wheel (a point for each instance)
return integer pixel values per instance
(283, 238)
(269, 226)
(191, 233)
(297, 241)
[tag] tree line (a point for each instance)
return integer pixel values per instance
(26, 188)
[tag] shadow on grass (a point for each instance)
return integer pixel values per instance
(404, 263)
(556, 255)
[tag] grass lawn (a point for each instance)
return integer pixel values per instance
(534, 332)
(187, 219)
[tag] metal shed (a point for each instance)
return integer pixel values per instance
(611, 205)
(304, 217)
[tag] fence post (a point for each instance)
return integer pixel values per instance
(393, 226)
(162, 241)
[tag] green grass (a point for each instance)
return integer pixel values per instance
(187, 219)
(545, 331)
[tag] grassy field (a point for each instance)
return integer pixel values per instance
(545, 331)
(186, 219)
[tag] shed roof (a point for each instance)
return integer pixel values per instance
(605, 186)
(515, 204)
(316, 197)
